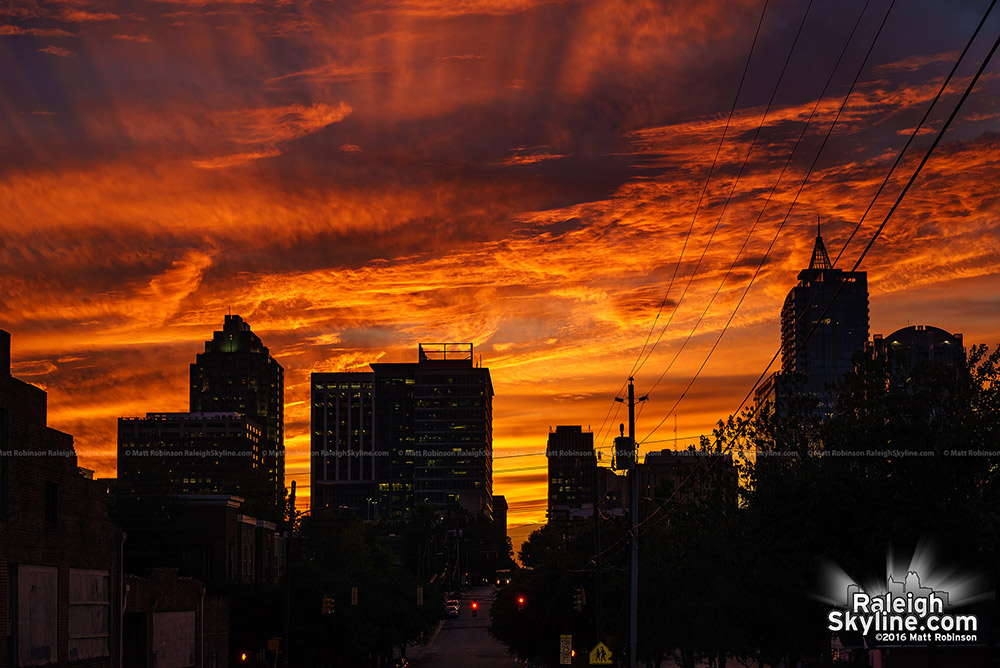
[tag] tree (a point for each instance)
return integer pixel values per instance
(335, 553)
(882, 472)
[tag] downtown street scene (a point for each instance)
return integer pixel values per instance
(499, 333)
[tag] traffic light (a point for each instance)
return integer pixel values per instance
(520, 603)
(475, 608)
(580, 599)
(328, 605)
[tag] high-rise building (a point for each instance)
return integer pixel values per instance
(422, 432)
(572, 473)
(435, 418)
(824, 322)
(342, 467)
(236, 374)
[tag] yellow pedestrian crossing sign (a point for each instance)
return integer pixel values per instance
(600, 655)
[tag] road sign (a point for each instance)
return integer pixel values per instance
(600, 655)
(274, 645)
(565, 650)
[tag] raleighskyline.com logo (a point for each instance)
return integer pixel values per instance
(906, 613)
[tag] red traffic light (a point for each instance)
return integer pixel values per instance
(520, 599)
(474, 605)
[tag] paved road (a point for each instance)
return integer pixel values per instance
(464, 642)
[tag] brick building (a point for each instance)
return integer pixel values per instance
(207, 537)
(60, 578)
(164, 621)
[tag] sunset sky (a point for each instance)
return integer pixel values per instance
(354, 178)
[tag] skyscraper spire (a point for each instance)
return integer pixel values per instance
(820, 260)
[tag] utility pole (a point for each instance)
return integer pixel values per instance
(634, 511)
(288, 577)
(597, 551)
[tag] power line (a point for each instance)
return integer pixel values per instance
(784, 220)
(739, 175)
(639, 362)
(742, 425)
(899, 157)
(871, 242)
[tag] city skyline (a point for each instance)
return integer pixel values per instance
(354, 182)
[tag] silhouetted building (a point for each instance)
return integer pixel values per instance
(343, 462)
(236, 374)
(612, 492)
(918, 344)
(60, 576)
(435, 419)
(687, 475)
(205, 536)
(191, 453)
(824, 322)
(164, 621)
(500, 512)
(430, 439)
(572, 465)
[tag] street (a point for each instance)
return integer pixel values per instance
(465, 641)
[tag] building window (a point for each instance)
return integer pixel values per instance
(89, 614)
(51, 504)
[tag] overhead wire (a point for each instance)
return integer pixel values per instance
(784, 220)
(711, 171)
(927, 154)
(739, 174)
(869, 245)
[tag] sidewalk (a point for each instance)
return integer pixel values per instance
(418, 651)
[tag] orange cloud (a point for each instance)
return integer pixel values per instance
(140, 38)
(57, 51)
(36, 32)
(522, 188)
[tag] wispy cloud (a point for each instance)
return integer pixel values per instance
(57, 51)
